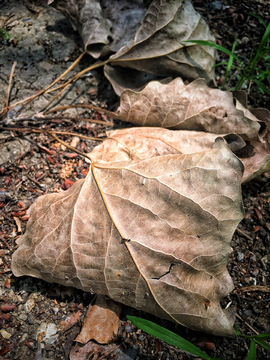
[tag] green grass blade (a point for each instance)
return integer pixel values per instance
(261, 86)
(4, 34)
(236, 330)
(218, 47)
(259, 55)
(259, 18)
(264, 336)
(226, 63)
(263, 344)
(252, 351)
(167, 336)
(264, 40)
(230, 62)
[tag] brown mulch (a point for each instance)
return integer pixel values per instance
(42, 165)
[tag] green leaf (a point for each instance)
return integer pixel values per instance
(4, 34)
(252, 351)
(259, 18)
(230, 62)
(236, 330)
(167, 336)
(261, 86)
(263, 344)
(263, 42)
(218, 47)
(264, 336)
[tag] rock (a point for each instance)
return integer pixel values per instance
(48, 332)
(240, 256)
(5, 334)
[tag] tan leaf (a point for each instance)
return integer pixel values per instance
(198, 108)
(147, 142)
(91, 348)
(101, 321)
(149, 45)
(103, 25)
(256, 153)
(70, 321)
(151, 233)
(187, 107)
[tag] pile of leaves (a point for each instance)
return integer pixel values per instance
(157, 210)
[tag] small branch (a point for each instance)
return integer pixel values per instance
(10, 82)
(94, 66)
(79, 135)
(35, 181)
(240, 232)
(55, 97)
(29, 99)
(50, 132)
(69, 146)
(251, 328)
(39, 118)
(107, 112)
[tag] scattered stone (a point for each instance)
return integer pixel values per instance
(5, 334)
(240, 256)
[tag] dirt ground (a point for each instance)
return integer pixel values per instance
(44, 45)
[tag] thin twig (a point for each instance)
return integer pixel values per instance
(2, 239)
(240, 232)
(79, 135)
(251, 328)
(5, 271)
(61, 117)
(69, 146)
(35, 181)
(109, 352)
(92, 107)
(54, 98)
(50, 131)
(94, 66)
(10, 82)
(29, 99)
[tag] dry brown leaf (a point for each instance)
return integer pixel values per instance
(91, 348)
(256, 154)
(105, 26)
(138, 39)
(147, 142)
(158, 48)
(199, 108)
(70, 321)
(151, 233)
(194, 107)
(101, 321)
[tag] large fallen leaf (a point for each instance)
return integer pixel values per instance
(158, 46)
(199, 108)
(152, 233)
(147, 44)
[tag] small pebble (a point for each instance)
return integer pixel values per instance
(245, 40)
(128, 328)
(240, 256)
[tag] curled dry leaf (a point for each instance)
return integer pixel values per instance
(199, 108)
(89, 349)
(152, 232)
(101, 321)
(70, 321)
(158, 48)
(146, 44)
(105, 26)
(256, 154)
